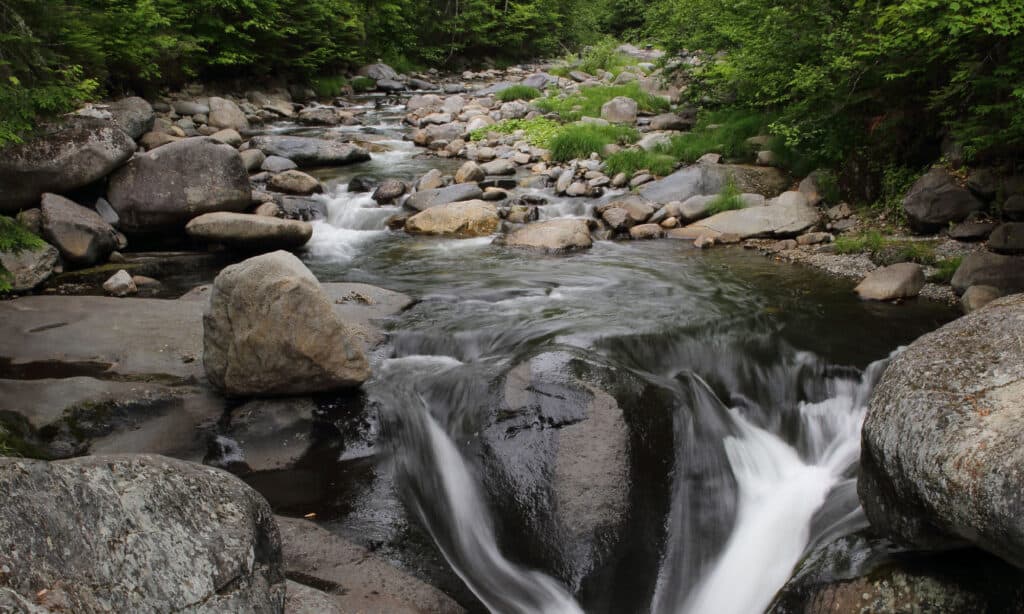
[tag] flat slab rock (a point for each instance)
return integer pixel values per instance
(786, 216)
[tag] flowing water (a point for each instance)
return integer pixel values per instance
(738, 387)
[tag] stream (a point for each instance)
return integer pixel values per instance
(641, 427)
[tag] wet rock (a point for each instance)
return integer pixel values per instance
(190, 107)
(253, 159)
(468, 218)
(903, 280)
(620, 110)
(164, 188)
(295, 182)
(120, 284)
(501, 166)
(712, 179)
(971, 231)
(787, 216)
(79, 233)
(326, 116)
(988, 269)
(165, 535)
(936, 199)
(226, 114)
(308, 151)
(60, 159)
(250, 233)
(29, 268)
(620, 215)
(976, 297)
(389, 191)
(646, 231)
(1008, 238)
(369, 583)
(362, 183)
(941, 441)
(133, 115)
(265, 435)
(270, 329)
(302, 208)
(470, 172)
(558, 235)
(426, 199)
(275, 164)
(228, 136)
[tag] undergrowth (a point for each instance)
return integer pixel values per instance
(580, 140)
(727, 200)
(538, 131)
(945, 269)
(518, 92)
(630, 161)
(587, 101)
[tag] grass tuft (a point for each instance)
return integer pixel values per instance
(727, 200)
(945, 269)
(538, 131)
(518, 92)
(722, 132)
(580, 140)
(328, 87)
(630, 161)
(363, 84)
(588, 100)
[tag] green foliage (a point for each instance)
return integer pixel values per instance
(518, 92)
(588, 101)
(14, 238)
(896, 182)
(363, 84)
(727, 200)
(538, 131)
(945, 269)
(580, 140)
(603, 55)
(631, 160)
(870, 242)
(329, 87)
(723, 132)
(886, 250)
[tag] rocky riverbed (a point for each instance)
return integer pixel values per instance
(462, 360)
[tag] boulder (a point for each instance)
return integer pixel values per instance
(470, 218)
(228, 136)
(390, 85)
(363, 183)
(425, 199)
(379, 72)
(136, 534)
(1013, 208)
(389, 191)
(501, 166)
(164, 188)
(275, 164)
(326, 116)
(226, 114)
(270, 330)
(813, 187)
(29, 268)
(120, 284)
(431, 180)
(60, 159)
(620, 215)
(539, 80)
(936, 199)
(295, 182)
(79, 233)
(1007, 238)
(190, 107)
(671, 121)
(423, 101)
(253, 159)
(619, 110)
(308, 151)
(941, 454)
(252, 233)
(902, 280)
(469, 172)
(152, 140)
(303, 208)
(706, 178)
(558, 235)
(971, 231)
(976, 297)
(133, 115)
(646, 231)
(787, 216)
(988, 269)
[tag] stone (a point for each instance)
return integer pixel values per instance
(468, 218)
(270, 330)
(971, 231)
(152, 140)
(431, 180)
(988, 269)
(469, 172)
(251, 233)
(302, 208)
(362, 183)
(164, 535)
(789, 215)
(32, 220)
(164, 188)
(557, 235)
(539, 80)
(133, 115)
(654, 140)
(704, 240)
(295, 182)
(640, 179)
(941, 449)
(902, 280)
(620, 110)
(646, 231)
(275, 164)
(936, 199)
(1008, 238)
(226, 114)
(669, 223)
(424, 101)
(267, 209)
(309, 151)
(326, 116)
(379, 72)
(766, 158)
(839, 212)
(79, 234)
(578, 188)
(425, 199)
(228, 136)
(253, 159)
(710, 158)
(1013, 208)
(976, 297)
(389, 191)
(29, 268)
(501, 166)
(60, 159)
(814, 238)
(712, 179)
(622, 214)
(190, 107)
(671, 121)
(120, 284)
(812, 187)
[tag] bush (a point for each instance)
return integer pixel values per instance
(328, 87)
(723, 132)
(363, 84)
(603, 55)
(630, 161)
(587, 102)
(580, 140)
(518, 92)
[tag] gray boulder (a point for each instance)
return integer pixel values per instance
(164, 188)
(976, 297)
(253, 233)
(558, 235)
(136, 534)
(308, 151)
(671, 121)
(708, 178)
(390, 85)
(988, 269)
(379, 72)
(788, 215)
(426, 199)
(120, 284)
(80, 234)
(295, 182)
(226, 114)
(469, 172)
(253, 159)
(619, 110)
(470, 218)
(501, 166)
(133, 115)
(902, 280)
(941, 453)
(388, 191)
(275, 164)
(190, 107)
(29, 268)
(1007, 238)
(620, 215)
(270, 330)
(62, 158)
(539, 80)
(936, 199)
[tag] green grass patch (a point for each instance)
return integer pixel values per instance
(518, 92)
(727, 200)
(885, 251)
(869, 242)
(945, 269)
(328, 87)
(630, 161)
(603, 55)
(588, 100)
(580, 140)
(538, 131)
(363, 84)
(722, 132)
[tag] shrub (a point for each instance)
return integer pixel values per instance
(518, 92)
(723, 132)
(631, 160)
(363, 84)
(603, 55)
(580, 140)
(588, 101)
(328, 87)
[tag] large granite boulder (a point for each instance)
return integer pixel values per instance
(270, 330)
(62, 158)
(226, 114)
(786, 216)
(425, 199)
(620, 110)
(706, 178)
(988, 269)
(471, 218)
(79, 233)
(254, 233)
(166, 187)
(308, 151)
(901, 280)
(379, 72)
(133, 115)
(1007, 238)
(559, 235)
(936, 199)
(29, 268)
(941, 453)
(135, 534)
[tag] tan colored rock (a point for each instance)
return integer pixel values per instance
(295, 182)
(903, 280)
(556, 235)
(470, 218)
